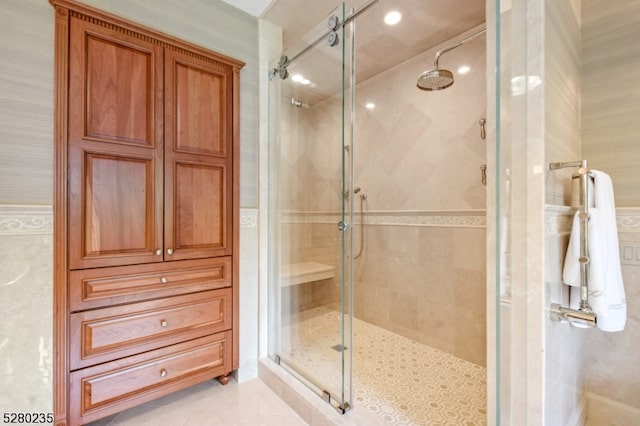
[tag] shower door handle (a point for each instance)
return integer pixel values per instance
(343, 226)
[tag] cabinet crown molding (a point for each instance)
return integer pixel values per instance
(113, 22)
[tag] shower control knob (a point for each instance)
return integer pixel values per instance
(343, 226)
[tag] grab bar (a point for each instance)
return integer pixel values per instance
(584, 315)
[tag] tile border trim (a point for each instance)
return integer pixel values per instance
(558, 219)
(38, 220)
(248, 218)
(26, 219)
(628, 219)
(424, 218)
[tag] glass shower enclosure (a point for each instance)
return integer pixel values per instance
(310, 198)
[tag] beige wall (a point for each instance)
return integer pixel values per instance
(591, 113)
(562, 94)
(564, 361)
(26, 102)
(26, 168)
(611, 128)
(610, 98)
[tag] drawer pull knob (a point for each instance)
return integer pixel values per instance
(164, 323)
(159, 252)
(169, 251)
(163, 373)
(164, 280)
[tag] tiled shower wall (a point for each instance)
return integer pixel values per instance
(417, 158)
(426, 283)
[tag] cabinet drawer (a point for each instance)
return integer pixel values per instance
(105, 389)
(103, 335)
(95, 288)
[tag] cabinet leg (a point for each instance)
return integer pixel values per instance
(224, 379)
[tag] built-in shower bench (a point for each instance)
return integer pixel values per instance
(306, 272)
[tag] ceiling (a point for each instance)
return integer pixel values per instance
(424, 24)
(379, 47)
(252, 7)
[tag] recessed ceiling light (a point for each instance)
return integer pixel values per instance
(299, 78)
(370, 105)
(464, 69)
(392, 17)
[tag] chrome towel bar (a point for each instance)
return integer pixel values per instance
(584, 315)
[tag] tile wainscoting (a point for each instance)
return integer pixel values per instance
(436, 218)
(26, 300)
(588, 374)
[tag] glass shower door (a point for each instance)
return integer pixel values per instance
(309, 214)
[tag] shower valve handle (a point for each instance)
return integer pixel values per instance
(483, 129)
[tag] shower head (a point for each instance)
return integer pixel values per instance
(435, 79)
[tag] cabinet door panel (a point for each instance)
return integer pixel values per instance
(119, 102)
(200, 106)
(198, 216)
(198, 157)
(116, 197)
(115, 83)
(113, 204)
(115, 148)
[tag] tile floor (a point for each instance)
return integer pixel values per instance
(249, 403)
(400, 380)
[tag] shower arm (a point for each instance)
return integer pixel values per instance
(458, 44)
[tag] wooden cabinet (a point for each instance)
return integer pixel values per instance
(145, 215)
(150, 151)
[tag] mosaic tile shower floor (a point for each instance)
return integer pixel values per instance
(402, 381)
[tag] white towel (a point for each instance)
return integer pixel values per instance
(606, 289)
